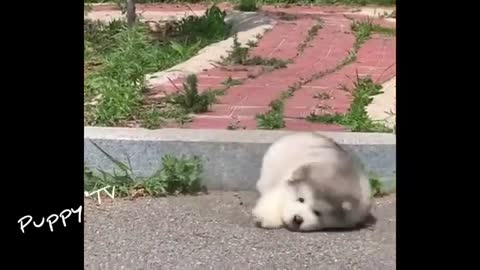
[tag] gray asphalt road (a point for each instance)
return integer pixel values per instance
(215, 231)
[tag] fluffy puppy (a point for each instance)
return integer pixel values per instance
(309, 183)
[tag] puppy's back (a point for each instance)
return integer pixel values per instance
(292, 151)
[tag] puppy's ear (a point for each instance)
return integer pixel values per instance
(299, 174)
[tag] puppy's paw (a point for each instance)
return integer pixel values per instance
(267, 215)
(268, 224)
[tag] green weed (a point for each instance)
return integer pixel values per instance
(189, 98)
(239, 56)
(178, 175)
(252, 44)
(247, 5)
(312, 32)
(287, 16)
(357, 119)
(118, 58)
(229, 82)
(376, 187)
(273, 119)
(365, 28)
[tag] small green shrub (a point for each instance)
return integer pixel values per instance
(189, 98)
(117, 59)
(178, 175)
(247, 5)
(357, 118)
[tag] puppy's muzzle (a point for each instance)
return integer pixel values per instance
(297, 220)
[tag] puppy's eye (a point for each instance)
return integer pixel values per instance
(301, 200)
(317, 213)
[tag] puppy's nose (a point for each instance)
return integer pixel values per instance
(297, 220)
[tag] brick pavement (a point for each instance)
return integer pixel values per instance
(323, 53)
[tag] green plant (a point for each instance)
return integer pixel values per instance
(376, 187)
(177, 176)
(252, 44)
(363, 30)
(185, 50)
(210, 26)
(287, 16)
(152, 118)
(357, 118)
(238, 55)
(189, 98)
(322, 96)
(312, 32)
(273, 119)
(274, 63)
(118, 58)
(352, 57)
(247, 5)
(122, 181)
(231, 82)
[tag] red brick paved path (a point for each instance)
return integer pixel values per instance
(327, 50)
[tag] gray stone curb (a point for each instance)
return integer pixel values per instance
(231, 159)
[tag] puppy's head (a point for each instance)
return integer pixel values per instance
(312, 205)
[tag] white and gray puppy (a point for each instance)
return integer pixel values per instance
(309, 183)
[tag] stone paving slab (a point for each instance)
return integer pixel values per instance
(215, 231)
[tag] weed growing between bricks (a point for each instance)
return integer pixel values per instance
(287, 16)
(117, 58)
(252, 44)
(229, 82)
(179, 106)
(363, 30)
(356, 119)
(376, 187)
(190, 100)
(310, 35)
(178, 175)
(247, 5)
(239, 56)
(273, 119)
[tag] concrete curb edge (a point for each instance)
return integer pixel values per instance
(231, 159)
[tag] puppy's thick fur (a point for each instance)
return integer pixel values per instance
(309, 183)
